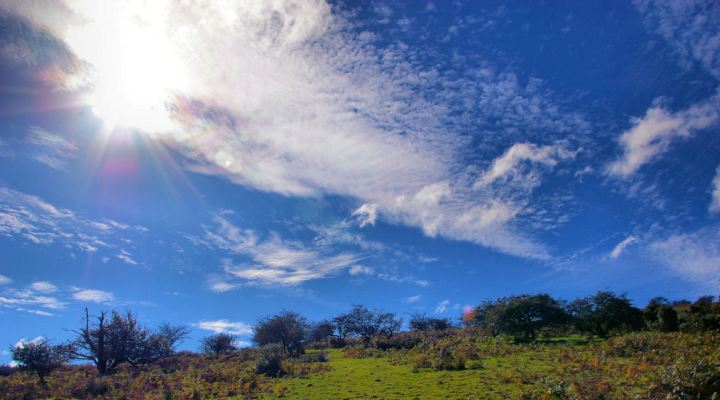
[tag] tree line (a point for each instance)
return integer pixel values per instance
(602, 314)
(110, 339)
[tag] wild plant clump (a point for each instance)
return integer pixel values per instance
(438, 351)
(690, 378)
(270, 360)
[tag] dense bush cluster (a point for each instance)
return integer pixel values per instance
(602, 314)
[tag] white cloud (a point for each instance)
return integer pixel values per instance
(222, 286)
(22, 342)
(36, 298)
(442, 306)
(273, 261)
(652, 135)
(4, 280)
(508, 164)
(126, 257)
(694, 256)
(52, 150)
(715, 202)
(43, 287)
(224, 326)
(5, 149)
(690, 27)
(361, 270)
(92, 295)
(620, 247)
(20, 300)
(297, 103)
(412, 299)
(366, 214)
(34, 220)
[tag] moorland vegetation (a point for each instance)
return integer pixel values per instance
(526, 347)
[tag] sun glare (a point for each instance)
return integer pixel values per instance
(135, 68)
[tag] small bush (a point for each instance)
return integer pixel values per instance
(397, 342)
(318, 356)
(689, 379)
(360, 351)
(270, 360)
(6, 370)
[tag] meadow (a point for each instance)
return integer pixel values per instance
(456, 364)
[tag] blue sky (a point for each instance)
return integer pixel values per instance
(210, 164)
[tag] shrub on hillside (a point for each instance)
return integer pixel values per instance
(6, 370)
(287, 328)
(605, 313)
(270, 360)
(318, 356)
(406, 340)
(690, 379)
(39, 357)
(218, 344)
(421, 322)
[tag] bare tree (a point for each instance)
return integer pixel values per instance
(92, 344)
(112, 339)
(170, 336)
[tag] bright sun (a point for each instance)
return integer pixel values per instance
(135, 68)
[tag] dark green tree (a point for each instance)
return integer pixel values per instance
(421, 322)
(218, 344)
(667, 319)
(39, 357)
(605, 312)
(365, 323)
(321, 331)
(287, 328)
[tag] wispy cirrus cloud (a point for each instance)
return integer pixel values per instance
(45, 298)
(273, 260)
(322, 109)
(620, 247)
(715, 193)
(508, 165)
(442, 306)
(36, 298)
(29, 218)
(5, 150)
(92, 295)
(412, 299)
(690, 27)
(43, 287)
(694, 256)
(51, 149)
(126, 257)
(653, 134)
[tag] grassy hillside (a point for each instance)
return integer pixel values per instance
(645, 365)
(517, 371)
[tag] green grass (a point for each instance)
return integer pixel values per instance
(571, 368)
(369, 378)
(366, 378)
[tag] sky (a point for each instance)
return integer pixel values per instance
(208, 163)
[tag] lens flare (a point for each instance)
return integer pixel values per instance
(135, 66)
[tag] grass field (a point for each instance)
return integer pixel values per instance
(635, 366)
(498, 377)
